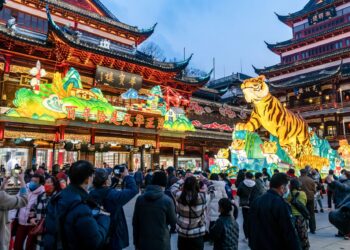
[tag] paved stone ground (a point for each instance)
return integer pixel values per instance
(323, 239)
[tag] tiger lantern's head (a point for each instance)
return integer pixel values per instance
(269, 147)
(255, 89)
(223, 154)
(238, 144)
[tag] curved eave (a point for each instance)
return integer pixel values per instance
(113, 22)
(307, 10)
(196, 81)
(285, 19)
(308, 82)
(148, 32)
(257, 70)
(24, 39)
(162, 66)
(328, 33)
(340, 53)
(271, 47)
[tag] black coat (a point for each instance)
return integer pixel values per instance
(82, 229)
(270, 224)
(225, 233)
(154, 212)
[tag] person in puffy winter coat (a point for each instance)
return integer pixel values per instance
(34, 188)
(216, 192)
(154, 212)
(244, 192)
(225, 231)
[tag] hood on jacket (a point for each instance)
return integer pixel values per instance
(249, 183)
(153, 192)
(39, 189)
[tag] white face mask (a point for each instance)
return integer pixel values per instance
(286, 193)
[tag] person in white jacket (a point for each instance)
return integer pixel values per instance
(216, 191)
(9, 202)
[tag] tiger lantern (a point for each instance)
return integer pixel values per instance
(290, 129)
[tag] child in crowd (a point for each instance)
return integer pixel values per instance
(225, 232)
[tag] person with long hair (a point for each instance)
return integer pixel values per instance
(191, 205)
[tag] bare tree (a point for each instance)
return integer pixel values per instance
(153, 49)
(190, 71)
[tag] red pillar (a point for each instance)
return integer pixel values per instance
(8, 58)
(92, 136)
(61, 131)
(2, 131)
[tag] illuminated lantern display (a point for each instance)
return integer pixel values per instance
(291, 140)
(66, 99)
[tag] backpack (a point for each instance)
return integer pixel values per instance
(300, 206)
(54, 237)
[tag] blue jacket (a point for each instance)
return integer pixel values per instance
(270, 224)
(81, 229)
(113, 201)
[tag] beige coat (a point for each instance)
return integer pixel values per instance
(8, 202)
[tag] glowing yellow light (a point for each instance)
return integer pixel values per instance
(310, 100)
(327, 97)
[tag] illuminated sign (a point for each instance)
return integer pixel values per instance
(117, 78)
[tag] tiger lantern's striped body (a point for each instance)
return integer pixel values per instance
(268, 112)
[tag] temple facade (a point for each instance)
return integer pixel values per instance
(74, 86)
(313, 75)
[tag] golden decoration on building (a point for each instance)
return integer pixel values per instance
(10, 134)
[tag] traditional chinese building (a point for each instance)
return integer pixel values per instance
(92, 94)
(313, 75)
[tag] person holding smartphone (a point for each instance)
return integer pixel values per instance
(9, 202)
(112, 201)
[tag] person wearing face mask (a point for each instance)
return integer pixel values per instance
(72, 221)
(270, 219)
(300, 222)
(34, 189)
(39, 209)
(113, 201)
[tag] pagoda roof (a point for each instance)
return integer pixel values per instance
(195, 80)
(311, 7)
(23, 36)
(280, 66)
(207, 94)
(110, 19)
(283, 45)
(137, 57)
(312, 78)
(228, 81)
(91, 6)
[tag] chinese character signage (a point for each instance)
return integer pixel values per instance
(117, 78)
(322, 15)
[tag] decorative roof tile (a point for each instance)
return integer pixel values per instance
(137, 58)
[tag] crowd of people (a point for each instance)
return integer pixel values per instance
(81, 207)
